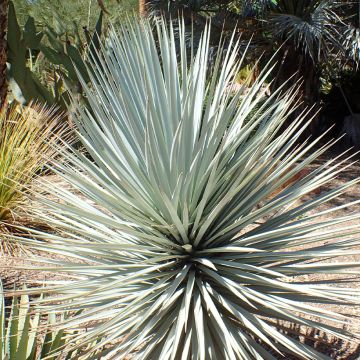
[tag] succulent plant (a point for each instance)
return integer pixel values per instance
(179, 243)
(27, 335)
(24, 47)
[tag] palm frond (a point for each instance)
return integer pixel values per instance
(351, 42)
(313, 26)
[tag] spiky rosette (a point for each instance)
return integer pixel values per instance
(182, 244)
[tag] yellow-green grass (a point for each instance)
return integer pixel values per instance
(26, 135)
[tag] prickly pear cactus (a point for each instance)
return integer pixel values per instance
(64, 60)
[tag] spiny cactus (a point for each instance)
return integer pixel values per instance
(25, 45)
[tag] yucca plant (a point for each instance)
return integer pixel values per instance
(26, 335)
(175, 245)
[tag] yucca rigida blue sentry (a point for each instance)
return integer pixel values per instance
(176, 246)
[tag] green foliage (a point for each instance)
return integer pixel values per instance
(84, 13)
(26, 335)
(23, 84)
(317, 38)
(313, 26)
(65, 55)
(351, 43)
(244, 6)
(179, 247)
(321, 29)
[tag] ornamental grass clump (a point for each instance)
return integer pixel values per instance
(176, 246)
(26, 134)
